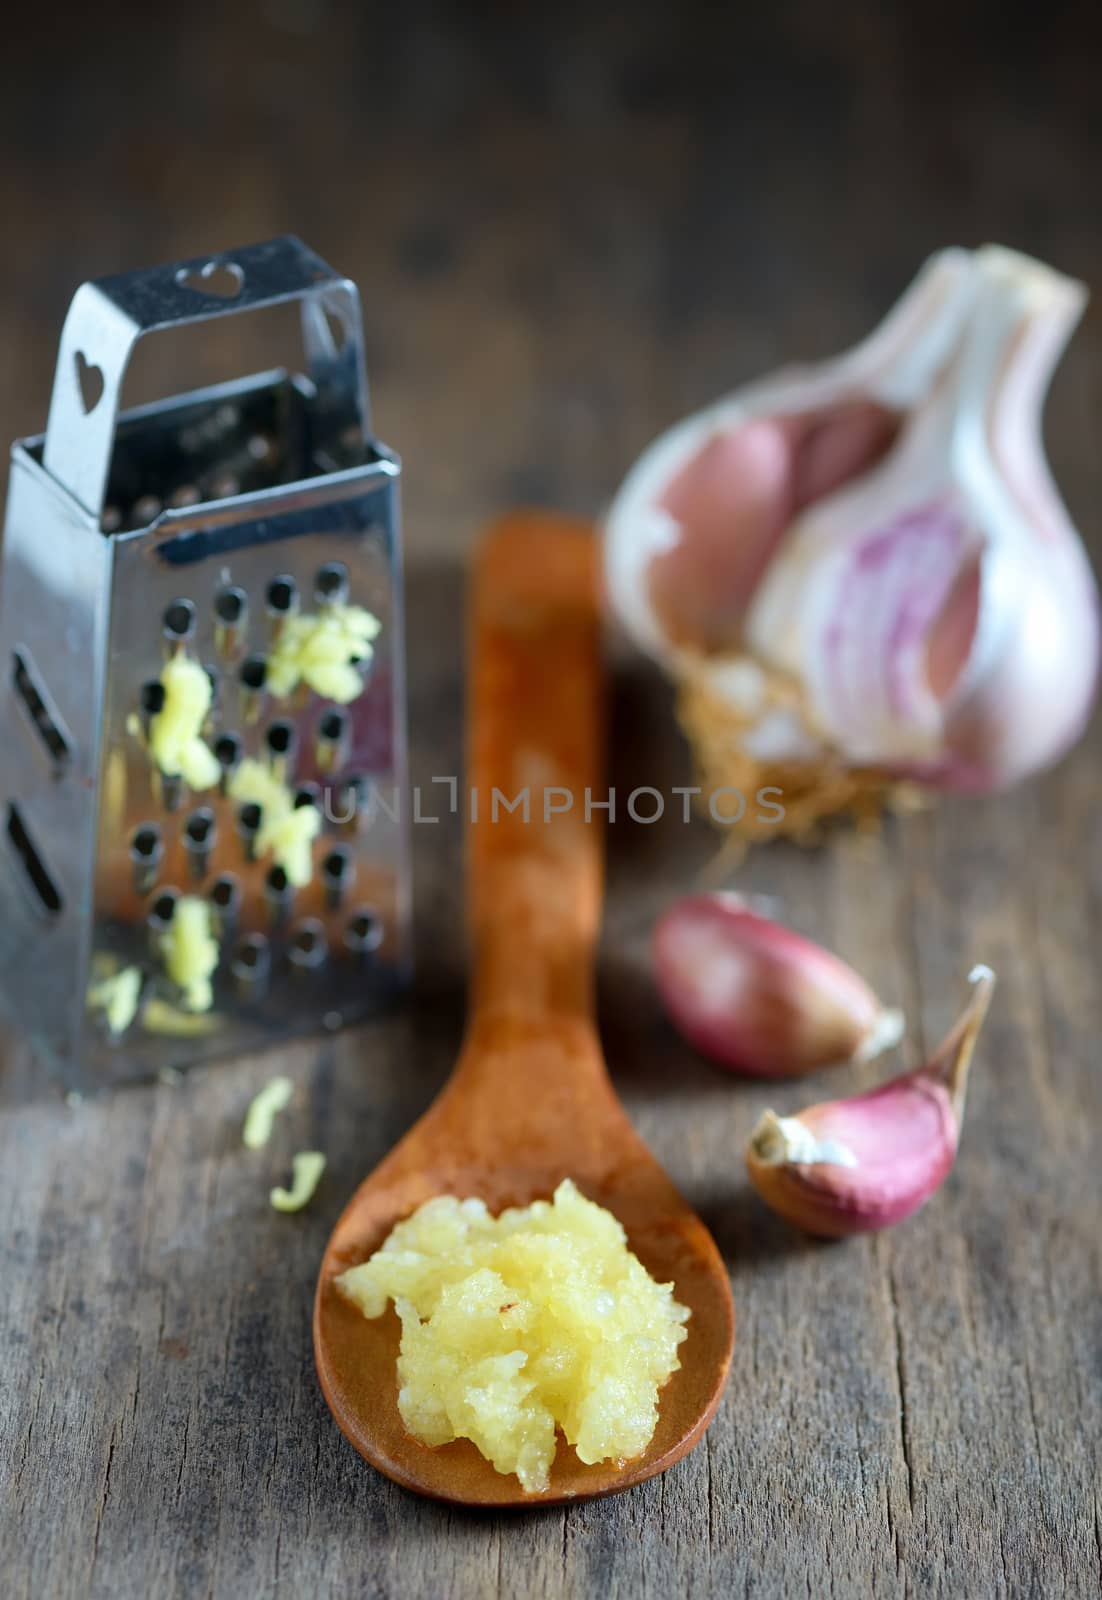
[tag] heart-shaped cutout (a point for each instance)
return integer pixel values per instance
(338, 332)
(221, 280)
(90, 382)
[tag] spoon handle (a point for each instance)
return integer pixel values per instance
(535, 765)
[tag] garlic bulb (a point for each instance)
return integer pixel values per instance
(857, 1165)
(864, 568)
(759, 999)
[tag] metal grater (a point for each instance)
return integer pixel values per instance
(198, 527)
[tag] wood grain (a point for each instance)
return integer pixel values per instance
(570, 230)
(530, 1100)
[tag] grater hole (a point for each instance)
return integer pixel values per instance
(331, 583)
(199, 827)
(337, 876)
(250, 959)
(282, 595)
(357, 794)
(164, 909)
(153, 699)
(227, 751)
(336, 869)
(308, 794)
(146, 853)
(169, 788)
(279, 893)
(211, 430)
(230, 605)
(281, 738)
(307, 945)
(249, 818)
(44, 719)
(225, 892)
(225, 903)
(226, 486)
(364, 931)
(146, 843)
(254, 673)
(38, 875)
(331, 727)
(179, 619)
(146, 509)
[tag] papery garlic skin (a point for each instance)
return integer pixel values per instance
(922, 599)
(759, 999)
(866, 1163)
(778, 1140)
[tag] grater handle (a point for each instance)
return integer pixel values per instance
(107, 317)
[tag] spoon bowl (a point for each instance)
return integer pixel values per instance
(530, 1102)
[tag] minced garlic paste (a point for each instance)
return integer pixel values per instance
(516, 1325)
(191, 952)
(323, 651)
(287, 831)
(174, 733)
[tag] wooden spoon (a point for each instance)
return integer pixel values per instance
(530, 1102)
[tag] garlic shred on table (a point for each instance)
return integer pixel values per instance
(307, 1168)
(263, 1110)
(861, 572)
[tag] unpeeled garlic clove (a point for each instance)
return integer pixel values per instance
(760, 999)
(857, 1165)
(864, 566)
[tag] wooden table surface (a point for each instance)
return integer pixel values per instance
(568, 232)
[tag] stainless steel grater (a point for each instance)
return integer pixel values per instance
(204, 528)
